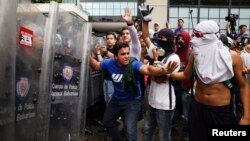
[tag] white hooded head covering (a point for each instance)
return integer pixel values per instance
(213, 61)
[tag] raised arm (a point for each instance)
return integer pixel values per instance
(136, 45)
(145, 34)
(94, 64)
(146, 14)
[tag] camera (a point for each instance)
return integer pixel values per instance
(232, 18)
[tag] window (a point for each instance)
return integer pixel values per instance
(216, 10)
(108, 8)
(204, 13)
(176, 13)
(244, 13)
(184, 12)
(223, 12)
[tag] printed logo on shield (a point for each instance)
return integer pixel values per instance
(23, 86)
(67, 73)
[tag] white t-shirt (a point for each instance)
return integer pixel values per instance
(158, 96)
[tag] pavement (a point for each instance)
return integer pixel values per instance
(98, 133)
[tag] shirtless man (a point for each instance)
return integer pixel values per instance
(213, 65)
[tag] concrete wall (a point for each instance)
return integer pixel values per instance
(159, 13)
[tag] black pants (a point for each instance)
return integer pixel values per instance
(201, 117)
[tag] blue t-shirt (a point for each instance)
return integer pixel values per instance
(116, 73)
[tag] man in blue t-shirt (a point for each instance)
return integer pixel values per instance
(125, 102)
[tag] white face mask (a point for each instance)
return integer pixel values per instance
(213, 62)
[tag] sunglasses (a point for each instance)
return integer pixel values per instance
(200, 34)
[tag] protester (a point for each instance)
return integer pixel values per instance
(214, 64)
(129, 34)
(124, 72)
(183, 89)
(161, 97)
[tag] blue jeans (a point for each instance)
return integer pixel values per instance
(186, 99)
(162, 119)
(108, 90)
(129, 111)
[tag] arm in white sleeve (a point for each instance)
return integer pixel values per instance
(135, 49)
(150, 50)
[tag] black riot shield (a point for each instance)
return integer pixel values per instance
(7, 68)
(30, 32)
(69, 82)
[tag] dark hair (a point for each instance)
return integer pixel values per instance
(181, 20)
(118, 46)
(165, 32)
(156, 24)
(241, 26)
(124, 28)
(224, 39)
(111, 33)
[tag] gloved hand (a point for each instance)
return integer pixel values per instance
(146, 12)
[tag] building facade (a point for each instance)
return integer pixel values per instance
(194, 11)
(107, 14)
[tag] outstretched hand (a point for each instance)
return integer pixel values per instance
(171, 66)
(127, 17)
(246, 69)
(146, 12)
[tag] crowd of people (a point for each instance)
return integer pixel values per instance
(201, 78)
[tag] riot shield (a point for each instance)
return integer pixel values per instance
(69, 82)
(30, 32)
(95, 93)
(43, 104)
(7, 68)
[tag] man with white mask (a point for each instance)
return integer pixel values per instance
(213, 64)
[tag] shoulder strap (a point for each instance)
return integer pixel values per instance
(170, 81)
(228, 83)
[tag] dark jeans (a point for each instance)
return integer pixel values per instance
(129, 111)
(186, 99)
(162, 119)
